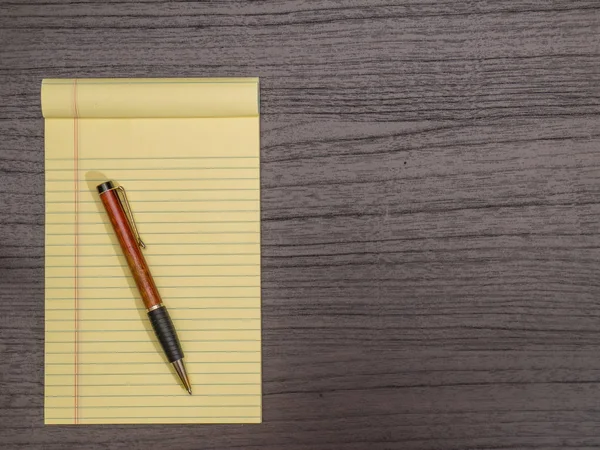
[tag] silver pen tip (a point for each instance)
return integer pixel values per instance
(183, 376)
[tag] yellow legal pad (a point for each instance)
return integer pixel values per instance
(187, 153)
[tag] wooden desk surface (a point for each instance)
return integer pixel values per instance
(430, 225)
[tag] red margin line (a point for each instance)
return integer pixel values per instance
(76, 249)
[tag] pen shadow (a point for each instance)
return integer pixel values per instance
(136, 301)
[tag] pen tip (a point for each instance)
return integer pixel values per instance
(180, 369)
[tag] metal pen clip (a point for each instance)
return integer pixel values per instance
(129, 214)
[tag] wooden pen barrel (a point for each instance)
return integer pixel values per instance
(130, 246)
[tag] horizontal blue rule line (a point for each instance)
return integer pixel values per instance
(111, 245)
(134, 298)
(84, 407)
(194, 222)
(153, 265)
(151, 158)
(83, 385)
(168, 190)
(105, 233)
(82, 277)
(131, 169)
(166, 212)
(186, 308)
(162, 254)
(183, 395)
(161, 363)
(179, 298)
(49, 266)
(181, 340)
(148, 373)
(171, 299)
(200, 300)
(125, 179)
(137, 319)
(203, 179)
(110, 266)
(210, 200)
(147, 352)
(204, 330)
(162, 287)
(187, 297)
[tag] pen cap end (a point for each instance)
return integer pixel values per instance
(106, 186)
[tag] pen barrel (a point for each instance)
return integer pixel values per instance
(166, 334)
(131, 248)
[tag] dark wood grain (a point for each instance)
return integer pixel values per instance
(430, 172)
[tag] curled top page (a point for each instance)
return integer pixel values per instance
(150, 98)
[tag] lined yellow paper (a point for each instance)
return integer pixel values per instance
(187, 152)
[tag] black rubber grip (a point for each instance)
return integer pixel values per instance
(166, 334)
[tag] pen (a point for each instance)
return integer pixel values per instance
(119, 212)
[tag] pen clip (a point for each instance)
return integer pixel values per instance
(129, 214)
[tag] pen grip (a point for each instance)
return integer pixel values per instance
(131, 249)
(166, 334)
